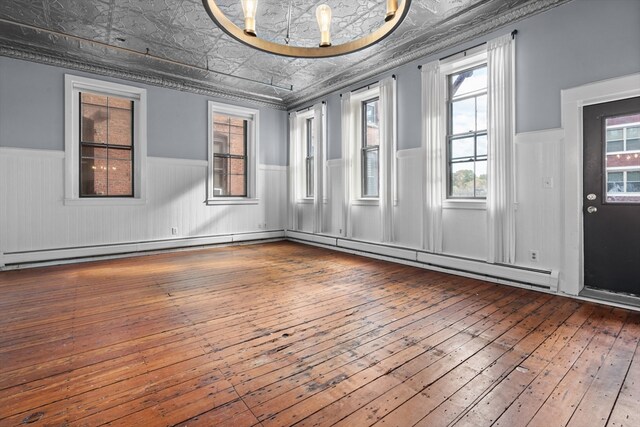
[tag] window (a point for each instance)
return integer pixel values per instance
(309, 139)
(623, 158)
(232, 159)
(106, 146)
(623, 133)
(370, 148)
(623, 182)
(467, 133)
(229, 156)
(105, 142)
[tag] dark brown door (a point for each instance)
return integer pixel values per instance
(612, 196)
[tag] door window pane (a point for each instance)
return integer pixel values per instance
(623, 159)
(615, 182)
(633, 182)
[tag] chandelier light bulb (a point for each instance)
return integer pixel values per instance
(392, 8)
(396, 11)
(249, 8)
(323, 15)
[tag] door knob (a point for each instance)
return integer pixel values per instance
(592, 209)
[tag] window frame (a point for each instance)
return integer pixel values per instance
(365, 148)
(251, 116)
(356, 171)
(74, 85)
(107, 146)
(451, 137)
(228, 156)
(309, 176)
(468, 59)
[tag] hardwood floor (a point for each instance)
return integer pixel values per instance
(281, 334)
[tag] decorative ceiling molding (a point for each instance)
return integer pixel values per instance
(414, 51)
(30, 54)
(173, 45)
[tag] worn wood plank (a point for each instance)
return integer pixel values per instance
(282, 333)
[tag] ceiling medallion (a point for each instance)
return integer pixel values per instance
(394, 17)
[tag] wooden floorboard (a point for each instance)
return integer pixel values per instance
(285, 334)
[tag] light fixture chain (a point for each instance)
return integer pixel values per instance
(287, 38)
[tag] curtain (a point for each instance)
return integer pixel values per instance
(293, 172)
(500, 169)
(347, 159)
(318, 194)
(387, 156)
(433, 113)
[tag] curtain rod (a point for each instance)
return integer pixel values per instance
(308, 108)
(393, 76)
(513, 36)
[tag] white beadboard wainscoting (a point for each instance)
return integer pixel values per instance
(36, 225)
(539, 209)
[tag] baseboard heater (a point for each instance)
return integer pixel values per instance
(29, 258)
(498, 273)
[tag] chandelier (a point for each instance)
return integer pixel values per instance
(395, 14)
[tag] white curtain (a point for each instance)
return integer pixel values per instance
(293, 170)
(347, 159)
(387, 155)
(500, 165)
(318, 193)
(433, 113)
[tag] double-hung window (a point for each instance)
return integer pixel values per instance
(309, 154)
(105, 142)
(229, 156)
(106, 146)
(467, 133)
(232, 154)
(370, 149)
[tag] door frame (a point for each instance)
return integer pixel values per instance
(573, 100)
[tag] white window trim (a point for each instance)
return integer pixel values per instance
(356, 99)
(253, 116)
(465, 60)
(301, 177)
(73, 85)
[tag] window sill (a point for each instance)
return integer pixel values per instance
(465, 204)
(232, 201)
(115, 201)
(365, 202)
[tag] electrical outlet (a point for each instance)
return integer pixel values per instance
(174, 231)
(534, 255)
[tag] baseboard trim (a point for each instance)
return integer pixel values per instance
(16, 260)
(512, 275)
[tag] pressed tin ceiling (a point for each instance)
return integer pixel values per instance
(174, 42)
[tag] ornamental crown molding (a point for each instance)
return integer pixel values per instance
(420, 49)
(201, 88)
(89, 57)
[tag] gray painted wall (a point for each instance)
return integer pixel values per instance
(573, 44)
(32, 115)
(577, 43)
